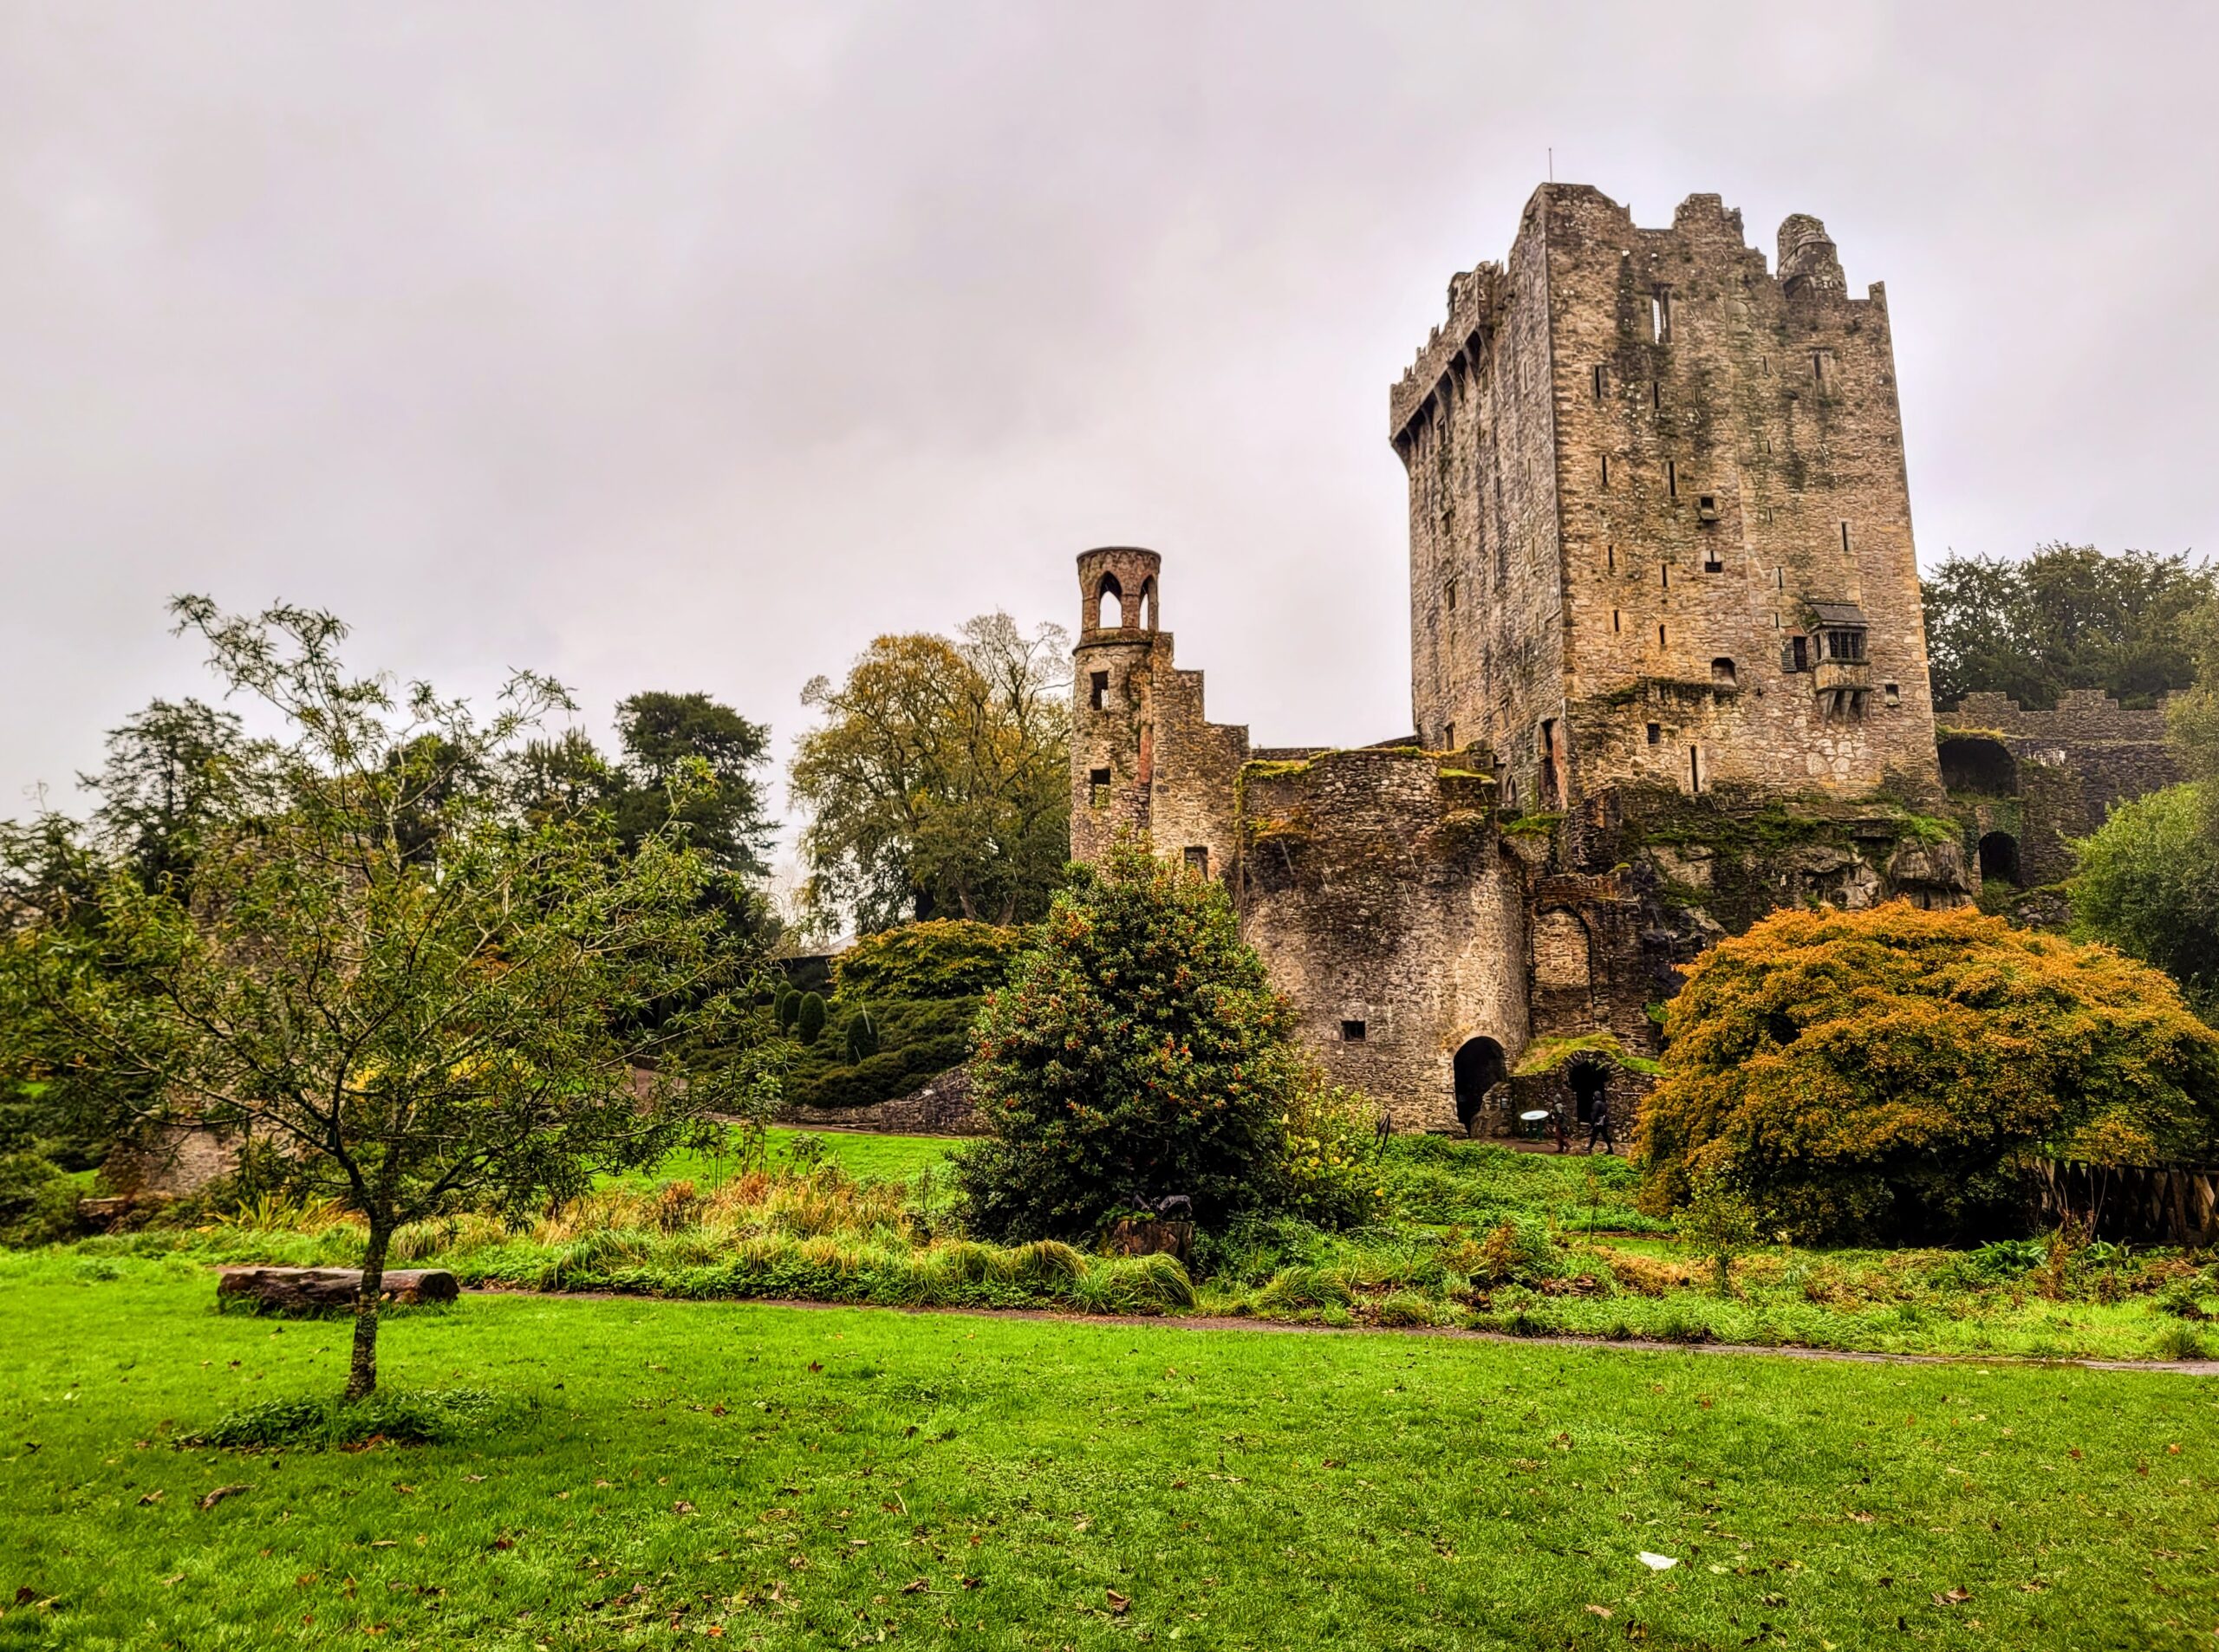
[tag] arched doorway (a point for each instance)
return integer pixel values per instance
(1481, 1066)
(1974, 766)
(1999, 858)
(1588, 1081)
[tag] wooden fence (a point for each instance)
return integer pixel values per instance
(2165, 1205)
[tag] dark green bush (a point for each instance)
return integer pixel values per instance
(862, 1037)
(809, 1019)
(1138, 1052)
(943, 958)
(38, 1201)
(915, 1040)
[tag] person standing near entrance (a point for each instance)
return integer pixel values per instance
(1598, 1124)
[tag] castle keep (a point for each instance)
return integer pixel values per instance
(1667, 672)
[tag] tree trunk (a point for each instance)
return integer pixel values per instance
(363, 1374)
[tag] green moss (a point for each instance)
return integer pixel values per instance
(1541, 824)
(1548, 1055)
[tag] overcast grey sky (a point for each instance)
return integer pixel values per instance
(677, 347)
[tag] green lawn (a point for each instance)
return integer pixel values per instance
(890, 1158)
(799, 1478)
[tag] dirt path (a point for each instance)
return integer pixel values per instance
(1204, 1322)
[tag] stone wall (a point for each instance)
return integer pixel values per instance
(1375, 886)
(2042, 778)
(940, 1106)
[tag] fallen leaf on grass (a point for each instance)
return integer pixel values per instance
(1599, 1611)
(915, 1586)
(1956, 1596)
(1862, 1520)
(970, 1582)
(151, 1496)
(173, 1578)
(220, 1493)
(1657, 1562)
(1118, 1603)
(474, 1479)
(681, 1507)
(2033, 1586)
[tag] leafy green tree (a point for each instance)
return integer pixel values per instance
(1137, 1052)
(416, 1034)
(939, 782)
(2148, 883)
(173, 771)
(1885, 1075)
(2069, 617)
(689, 759)
(2193, 723)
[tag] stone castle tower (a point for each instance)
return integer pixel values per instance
(1661, 578)
(1660, 525)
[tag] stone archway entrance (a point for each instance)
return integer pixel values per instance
(1480, 1065)
(1998, 857)
(1588, 1081)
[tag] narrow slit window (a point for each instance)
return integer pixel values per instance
(1656, 734)
(1606, 470)
(1844, 539)
(1780, 579)
(1695, 768)
(1610, 554)
(1671, 478)
(1448, 736)
(1451, 593)
(1660, 314)
(1659, 636)
(1097, 786)
(1614, 622)
(1666, 575)
(1098, 690)
(1598, 383)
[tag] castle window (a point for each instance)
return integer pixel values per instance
(1450, 593)
(1614, 622)
(1844, 539)
(1821, 364)
(1659, 636)
(1671, 478)
(1097, 788)
(1109, 604)
(1721, 673)
(1890, 694)
(1779, 577)
(1656, 734)
(1351, 1032)
(1097, 689)
(1711, 564)
(1448, 736)
(1660, 314)
(1197, 859)
(1598, 383)
(1666, 575)
(1844, 645)
(1695, 768)
(1798, 653)
(1707, 507)
(1656, 394)
(1606, 470)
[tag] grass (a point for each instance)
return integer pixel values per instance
(786, 1478)
(865, 1156)
(1477, 1236)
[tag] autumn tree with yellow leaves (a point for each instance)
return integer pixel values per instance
(938, 782)
(1889, 1073)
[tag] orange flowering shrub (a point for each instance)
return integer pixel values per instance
(1884, 1075)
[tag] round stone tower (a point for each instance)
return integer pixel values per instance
(1113, 711)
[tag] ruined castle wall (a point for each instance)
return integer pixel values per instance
(2068, 767)
(1377, 891)
(1474, 425)
(1172, 771)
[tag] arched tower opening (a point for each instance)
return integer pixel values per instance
(1480, 1065)
(1977, 765)
(1999, 858)
(1108, 605)
(1118, 588)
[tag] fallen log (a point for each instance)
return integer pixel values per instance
(313, 1291)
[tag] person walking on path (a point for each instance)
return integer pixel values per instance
(1598, 1124)
(1557, 1122)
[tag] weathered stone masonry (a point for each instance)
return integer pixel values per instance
(1668, 673)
